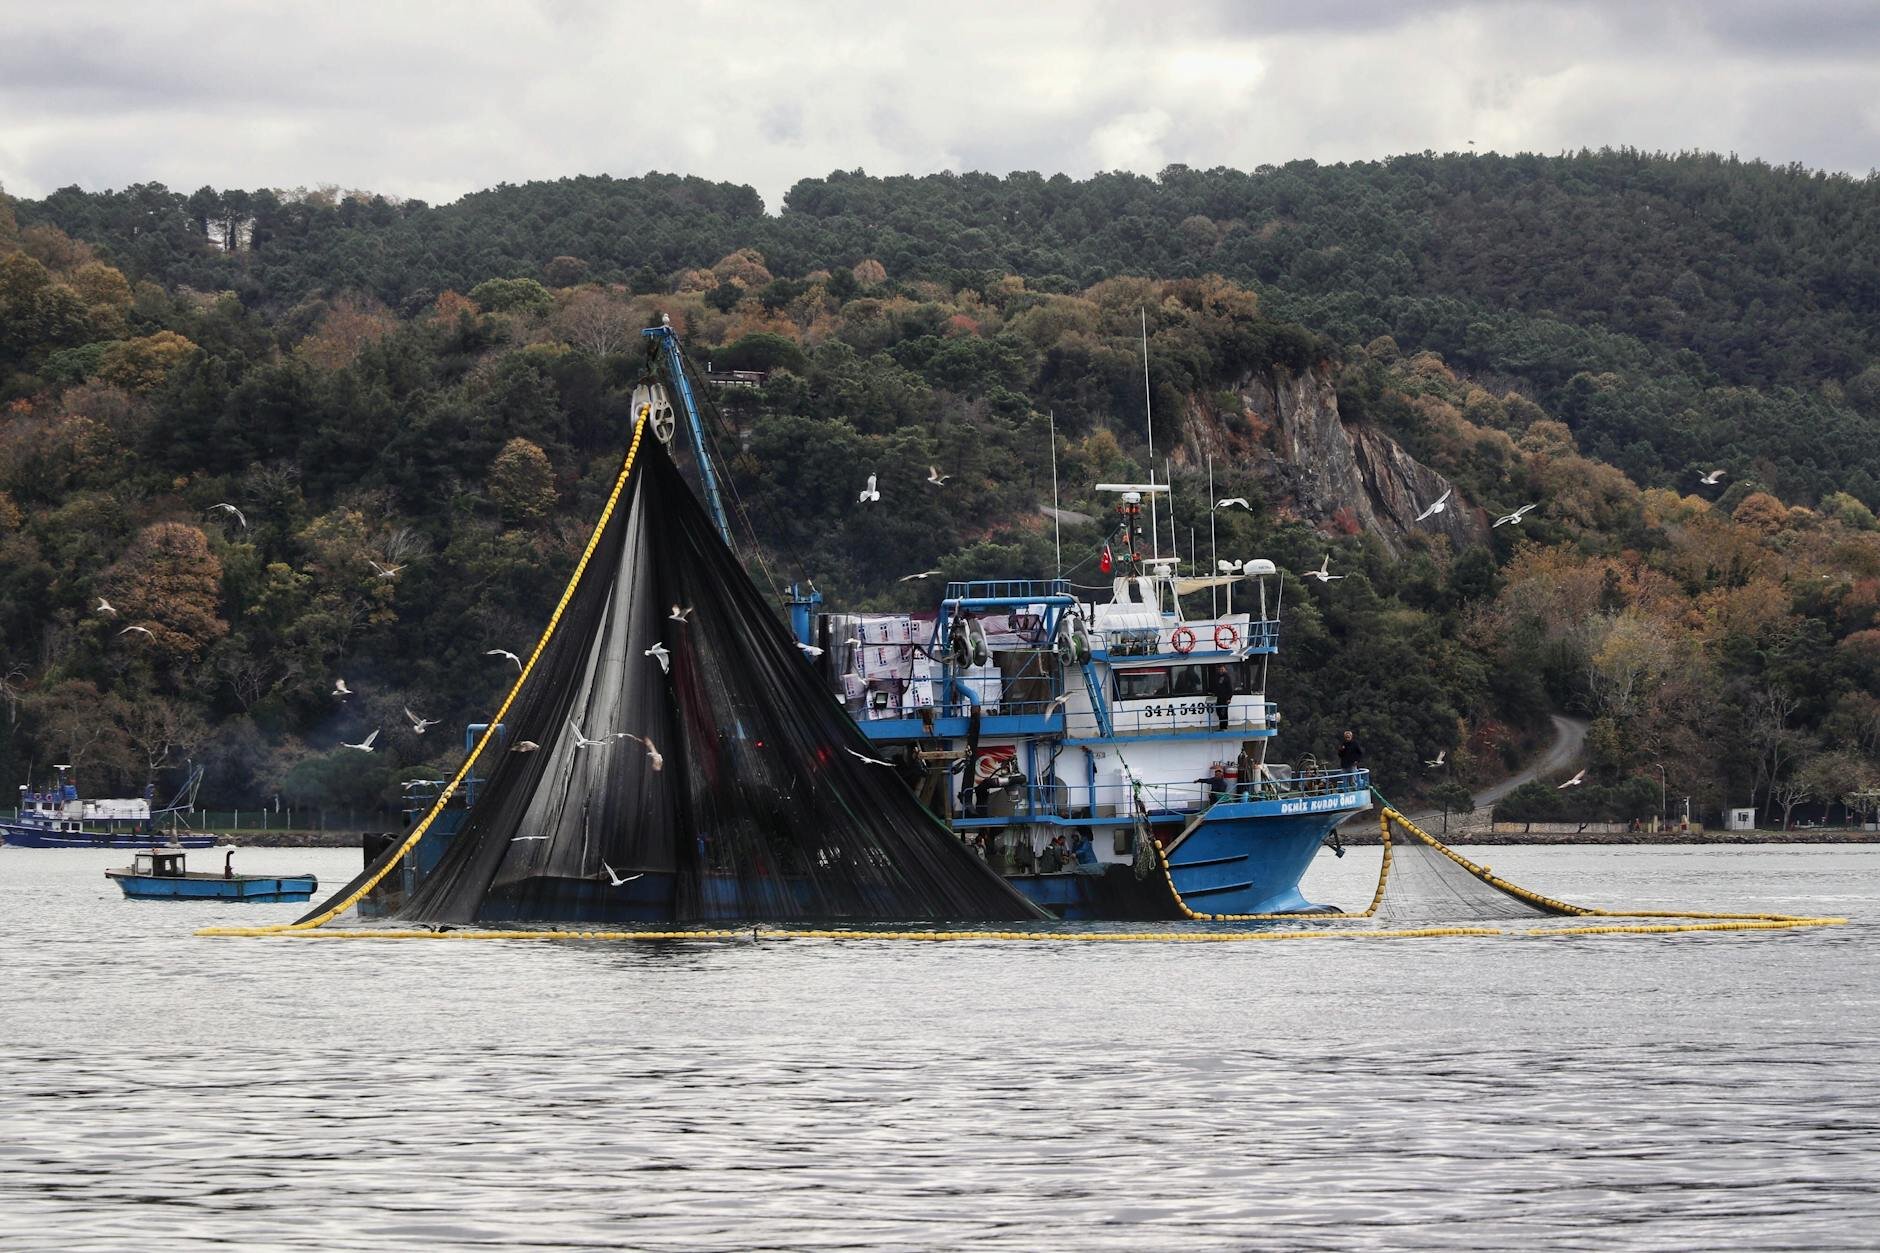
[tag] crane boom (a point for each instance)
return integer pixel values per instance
(667, 342)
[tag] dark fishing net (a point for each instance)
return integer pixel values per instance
(725, 784)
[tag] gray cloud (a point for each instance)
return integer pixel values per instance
(434, 100)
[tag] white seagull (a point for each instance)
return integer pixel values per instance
(810, 650)
(933, 476)
(517, 839)
(1324, 573)
(105, 606)
(1058, 702)
(909, 578)
(365, 745)
(873, 761)
(504, 652)
(653, 756)
(1233, 500)
(233, 512)
(1713, 478)
(418, 724)
(615, 878)
(658, 653)
(384, 572)
(140, 630)
(681, 615)
(868, 495)
(582, 741)
(1573, 782)
(1514, 517)
(1442, 503)
(1438, 763)
(525, 746)
(340, 689)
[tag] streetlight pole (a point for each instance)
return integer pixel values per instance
(1664, 799)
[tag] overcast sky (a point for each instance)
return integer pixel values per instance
(437, 99)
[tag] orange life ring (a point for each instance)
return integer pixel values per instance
(1182, 640)
(1225, 637)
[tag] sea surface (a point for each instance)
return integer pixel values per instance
(1707, 1091)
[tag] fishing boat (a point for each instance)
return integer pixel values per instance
(56, 816)
(163, 874)
(1098, 744)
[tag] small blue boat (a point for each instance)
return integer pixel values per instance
(160, 874)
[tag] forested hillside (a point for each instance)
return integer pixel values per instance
(379, 385)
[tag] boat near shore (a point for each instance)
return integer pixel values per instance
(56, 816)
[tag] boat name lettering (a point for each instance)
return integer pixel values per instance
(1318, 804)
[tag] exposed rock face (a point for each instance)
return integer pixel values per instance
(1326, 473)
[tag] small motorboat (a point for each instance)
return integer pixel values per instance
(160, 874)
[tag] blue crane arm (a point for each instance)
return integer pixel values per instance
(668, 343)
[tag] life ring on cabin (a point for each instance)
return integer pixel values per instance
(1182, 640)
(1225, 637)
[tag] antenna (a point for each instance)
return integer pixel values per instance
(1214, 555)
(1056, 527)
(1148, 414)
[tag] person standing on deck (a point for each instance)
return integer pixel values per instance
(1350, 752)
(1223, 690)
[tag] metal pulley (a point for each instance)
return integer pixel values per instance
(650, 398)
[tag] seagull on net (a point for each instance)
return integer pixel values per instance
(140, 630)
(365, 745)
(418, 724)
(615, 878)
(1713, 478)
(1573, 782)
(1324, 573)
(924, 574)
(1230, 501)
(525, 746)
(1442, 503)
(660, 654)
(384, 572)
(1438, 763)
(868, 495)
(340, 689)
(933, 476)
(654, 757)
(105, 607)
(873, 761)
(233, 512)
(810, 650)
(1516, 516)
(504, 652)
(681, 615)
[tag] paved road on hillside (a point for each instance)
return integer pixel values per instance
(1565, 749)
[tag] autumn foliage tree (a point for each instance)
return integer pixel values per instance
(169, 582)
(522, 482)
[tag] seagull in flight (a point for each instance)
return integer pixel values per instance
(681, 615)
(340, 689)
(1713, 478)
(140, 630)
(233, 512)
(1228, 502)
(1573, 782)
(660, 654)
(873, 761)
(105, 606)
(1324, 573)
(582, 741)
(1058, 702)
(1442, 503)
(933, 476)
(1438, 763)
(525, 746)
(1514, 517)
(384, 572)
(517, 839)
(868, 495)
(408, 784)
(654, 757)
(365, 745)
(418, 724)
(615, 878)
(810, 650)
(909, 578)
(503, 652)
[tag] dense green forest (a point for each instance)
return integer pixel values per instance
(379, 384)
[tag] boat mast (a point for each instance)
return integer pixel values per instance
(1057, 537)
(1148, 414)
(1214, 553)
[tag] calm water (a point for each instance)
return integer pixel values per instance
(161, 1091)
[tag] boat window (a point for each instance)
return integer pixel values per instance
(1142, 684)
(1186, 681)
(1190, 681)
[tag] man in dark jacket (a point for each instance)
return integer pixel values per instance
(1350, 752)
(1223, 692)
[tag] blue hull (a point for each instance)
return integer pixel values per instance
(258, 888)
(1247, 857)
(21, 836)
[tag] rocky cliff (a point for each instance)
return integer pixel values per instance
(1322, 471)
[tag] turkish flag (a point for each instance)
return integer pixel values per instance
(1107, 560)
